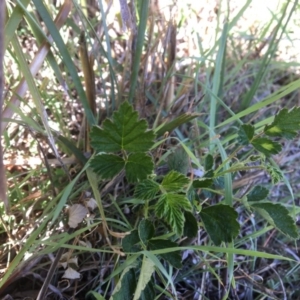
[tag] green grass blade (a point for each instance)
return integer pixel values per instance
(66, 57)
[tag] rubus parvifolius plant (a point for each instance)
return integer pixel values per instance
(171, 208)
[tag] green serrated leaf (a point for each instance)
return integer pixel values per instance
(126, 285)
(174, 181)
(266, 146)
(124, 132)
(278, 216)
(179, 161)
(146, 189)
(138, 166)
(170, 207)
(190, 225)
(209, 162)
(276, 175)
(220, 223)
(130, 242)
(286, 124)
(107, 165)
(245, 134)
(202, 183)
(258, 193)
(174, 258)
(147, 269)
(146, 231)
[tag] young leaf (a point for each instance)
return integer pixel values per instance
(278, 216)
(245, 134)
(220, 223)
(146, 189)
(258, 193)
(146, 231)
(138, 166)
(209, 162)
(170, 206)
(276, 175)
(190, 225)
(147, 270)
(286, 124)
(266, 146)
(124, 132)
(107, 165)
(174, 258)
(174, 181)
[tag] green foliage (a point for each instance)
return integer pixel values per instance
(286, 124)
(147, 269)
(245, 134)
(266, 146)
(178, 161)
(171, 206)
(124, 142)
(258, 193)
(126, 285)
(278, 216)
(146, 189)
(220, 223)
(123, 133)
(209, 162)
(173, 258)
(174, 181)
(127, 136)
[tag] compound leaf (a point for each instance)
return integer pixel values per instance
(266, 146)
(107, 165)
(170, 207)
(174, 181)
(138, 166)
(258, 193)
(278, 216)
(220, 223)
(245, 134)
(124, 132)
(286, 124)
(146, 189)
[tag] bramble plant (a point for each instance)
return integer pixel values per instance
(124, 143)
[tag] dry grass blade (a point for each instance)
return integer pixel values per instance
(35, 64)
(3, 196)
